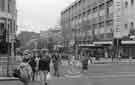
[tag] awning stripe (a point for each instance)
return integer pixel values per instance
(103, 42)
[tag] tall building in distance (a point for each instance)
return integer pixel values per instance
(8, 27)
(95, 23)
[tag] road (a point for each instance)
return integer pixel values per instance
(97, 74)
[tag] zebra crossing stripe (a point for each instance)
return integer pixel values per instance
(75, 76)
(71, 72)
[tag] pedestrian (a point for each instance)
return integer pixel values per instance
(44, 66)
(130, 59)
(84, 62)
(56, 60)
(90, 58)
(25, 70)
(32, 63)
(37, 75)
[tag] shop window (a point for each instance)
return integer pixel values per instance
(132, 30)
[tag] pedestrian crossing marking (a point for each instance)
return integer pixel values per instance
(75, 76)
(71, 72)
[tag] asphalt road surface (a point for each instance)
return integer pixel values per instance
(97, 74)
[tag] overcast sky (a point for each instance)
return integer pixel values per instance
(36, 15)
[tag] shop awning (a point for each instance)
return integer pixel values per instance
(59, 46)
(128, 42)
(103, 42)
(87, 45)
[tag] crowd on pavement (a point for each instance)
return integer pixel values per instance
(37, 66)
(31, 67)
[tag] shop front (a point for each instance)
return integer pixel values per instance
(128, 49)
(96, 50)
(105, 49)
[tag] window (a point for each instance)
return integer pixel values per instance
(101, 6)
(101, 24)
(89, 11)
(110, 3)
(132, 25)
(132, 2)
(109, 23)
(2, 5)
(94, 9)
(126, 26)
(9, 5)
(126, 4)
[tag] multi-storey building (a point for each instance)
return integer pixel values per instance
(95, 23)
(8, 18)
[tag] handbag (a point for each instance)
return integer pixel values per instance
(16, 73)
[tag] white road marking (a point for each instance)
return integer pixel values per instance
(71, 72)
(75, 76)
(112, 76)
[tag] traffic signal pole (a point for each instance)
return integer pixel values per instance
(116, 49)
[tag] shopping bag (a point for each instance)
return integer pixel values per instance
(48, 77)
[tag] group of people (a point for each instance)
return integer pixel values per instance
(33, 67)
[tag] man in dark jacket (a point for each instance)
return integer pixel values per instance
(32, 63)
(44, 66)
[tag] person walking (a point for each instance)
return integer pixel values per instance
(84, 62)
(32, 63)
(90, 58)
(56, 60)
(44, 66)
(24, 69)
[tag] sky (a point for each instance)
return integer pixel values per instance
(36, 15)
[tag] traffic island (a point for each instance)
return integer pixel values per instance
(10, 81)
(15, 81)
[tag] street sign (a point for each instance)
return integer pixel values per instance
(117, 19)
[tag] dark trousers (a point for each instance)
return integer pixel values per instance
(56, 69)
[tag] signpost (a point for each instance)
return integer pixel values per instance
(117, 34)
(117, 19)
